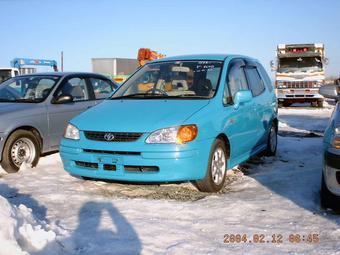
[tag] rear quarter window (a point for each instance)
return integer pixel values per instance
(265, 77)
(255, 82)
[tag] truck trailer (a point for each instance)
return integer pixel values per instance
(300, 72)
(8, 72)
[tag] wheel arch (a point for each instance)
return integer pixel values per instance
(32, 129)
(226, 141)
(276, 123)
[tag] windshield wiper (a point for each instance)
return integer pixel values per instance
(25, 100)
(189, 96)
(143, 95)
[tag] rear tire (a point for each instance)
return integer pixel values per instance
(21, 147)
(217, 169)
(272, 142)
(328, 199)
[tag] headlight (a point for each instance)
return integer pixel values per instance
(337, 130)
(280, 85)
(71, 132)
(179, 135)
(336, 138)
(317, 84)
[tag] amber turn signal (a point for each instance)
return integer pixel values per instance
(336, 142)
(186, 133)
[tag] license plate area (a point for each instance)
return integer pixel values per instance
(114, 163)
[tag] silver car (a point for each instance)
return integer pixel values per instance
(35, 109)
(330, 184)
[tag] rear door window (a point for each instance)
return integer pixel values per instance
(255, 82)
(102, 88)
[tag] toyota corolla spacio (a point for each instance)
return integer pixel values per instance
(187, 118)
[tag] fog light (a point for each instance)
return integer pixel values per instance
(337, 175)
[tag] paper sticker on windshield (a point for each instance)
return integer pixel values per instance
(204, 68)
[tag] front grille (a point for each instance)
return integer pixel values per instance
(141, 168)
(113, 152)
(87, 164)
(299, 84)
(116, 136)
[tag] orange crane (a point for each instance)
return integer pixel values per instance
(145, 55)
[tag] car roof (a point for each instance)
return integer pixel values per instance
(216, 57)
(61, 74)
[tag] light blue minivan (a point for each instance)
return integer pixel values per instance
(186, 118)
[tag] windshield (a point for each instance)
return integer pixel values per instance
(301, 64)
(177, 79)
(4, 75)
(30, 89)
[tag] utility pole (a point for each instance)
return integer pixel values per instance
(62, 61)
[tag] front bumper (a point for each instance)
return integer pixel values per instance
(298, 94)
(332, 172)
(131, 161)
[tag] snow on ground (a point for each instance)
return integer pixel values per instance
(18, 227)
(302, 120)
(274, 196)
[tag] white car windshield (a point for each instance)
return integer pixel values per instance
(177, 79)
(30, 89)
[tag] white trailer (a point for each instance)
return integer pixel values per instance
(8, 72)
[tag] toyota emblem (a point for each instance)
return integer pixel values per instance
(109, 137)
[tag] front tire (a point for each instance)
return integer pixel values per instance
(217, 169)
(328, 199)
(21, 147)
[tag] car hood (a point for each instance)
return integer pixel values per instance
(137, 115)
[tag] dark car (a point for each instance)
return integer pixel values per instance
(35, 109)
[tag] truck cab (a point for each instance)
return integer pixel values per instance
(8, 72)
(300, 73)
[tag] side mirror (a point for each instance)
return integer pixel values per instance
(272, 65)
(241, 97)
(326, 61)
(329, 91)
(63, 99)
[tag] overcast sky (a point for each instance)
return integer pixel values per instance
(86, 29)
